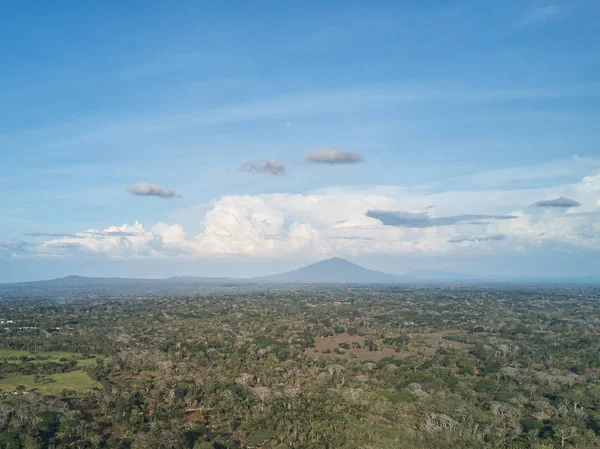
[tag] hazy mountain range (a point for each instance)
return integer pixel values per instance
(335, 270)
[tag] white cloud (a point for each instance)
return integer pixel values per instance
(335, 222)
(119, 241)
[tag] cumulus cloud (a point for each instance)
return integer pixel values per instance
(146, 189)
(350, 221)
(333, 156)
(269, 166)
(477, 238)
(121, 241)
(561, 202)
(424, 220)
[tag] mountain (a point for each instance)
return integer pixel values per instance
(331, 271)
(334, 270)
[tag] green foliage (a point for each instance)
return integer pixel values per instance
(258, 437)
(531, 424)
(434, 368)
(490, 368)
(10, 439)
(485, 386)
(203, 445)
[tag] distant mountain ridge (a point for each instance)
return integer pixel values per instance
(335, 270)
(75, 281)
(331, 271)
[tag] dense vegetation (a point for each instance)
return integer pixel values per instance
(345, 367)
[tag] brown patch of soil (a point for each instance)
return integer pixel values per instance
(419, 344)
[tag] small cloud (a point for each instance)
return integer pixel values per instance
(269, 166)
(561, 202)
(333, 156)
(145, 189)
(288, 124)
(477, 238)
(423, 220)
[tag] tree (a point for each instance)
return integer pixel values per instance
(565, 433)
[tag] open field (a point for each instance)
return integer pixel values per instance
(434, 339)
(75, 380)
(419, 344)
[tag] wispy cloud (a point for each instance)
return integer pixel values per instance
(477, 238)
(145, 189)
(333, 156)
(112, 233)
(423, 220)
(269, 166)
(115, 130)
(16, 246)
(561, 202)
(352, 237)
(52, 234)
(82, 235)
(533, 174)
(541, 14)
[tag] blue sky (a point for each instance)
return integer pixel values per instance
(453, 108)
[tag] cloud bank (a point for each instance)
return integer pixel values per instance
(146, 189)
(349, 222)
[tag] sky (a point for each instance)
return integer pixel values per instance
(156, 139)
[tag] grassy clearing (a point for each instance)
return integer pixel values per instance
(86, 362)
(14, 355)
(75, 380)
(8, 353)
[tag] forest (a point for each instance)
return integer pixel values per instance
(347, 366)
